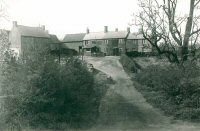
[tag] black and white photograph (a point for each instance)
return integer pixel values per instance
(99, 65)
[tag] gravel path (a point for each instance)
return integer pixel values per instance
(124, 108)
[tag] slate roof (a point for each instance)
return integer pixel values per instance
(32, 31)
(54, 38)
(133, 36)
(74, 37)
(107, 35)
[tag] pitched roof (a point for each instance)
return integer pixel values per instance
(74, 37)
(133, 36)
(32, 31)
(107, 35)
(54, 38)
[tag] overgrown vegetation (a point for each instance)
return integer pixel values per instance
(174, 89)
(172, 33)
(40, 92)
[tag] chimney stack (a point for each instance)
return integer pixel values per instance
(128, 29)
(116, 29)
(105, 29)
(43, 27)
(14, 23)
(87, 31)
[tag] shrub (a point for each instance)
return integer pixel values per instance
(178, 86)
(41, 92)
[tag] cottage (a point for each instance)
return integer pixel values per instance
(24, 39)
(73, 41)
(107, 42)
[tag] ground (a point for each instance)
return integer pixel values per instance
(124, 108)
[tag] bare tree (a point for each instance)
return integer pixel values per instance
(162, 27)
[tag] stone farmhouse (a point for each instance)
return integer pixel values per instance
(25, 39)
(114, 42)
(106, 42)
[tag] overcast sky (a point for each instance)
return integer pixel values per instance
(71, 16)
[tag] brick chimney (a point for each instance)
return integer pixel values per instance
(43, 27)
(87, 31)
(105, 29)
(116, 29)
(14, 23)
(128, 29)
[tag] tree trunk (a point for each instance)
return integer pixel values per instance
(184, 49)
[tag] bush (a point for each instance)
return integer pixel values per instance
(178, 86)
(42, 92)
(129, 64)
(139, 54)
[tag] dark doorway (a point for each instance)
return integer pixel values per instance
(95, 50)
(116, 51)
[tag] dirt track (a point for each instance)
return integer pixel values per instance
(124, 108)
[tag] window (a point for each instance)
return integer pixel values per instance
(86, 42)
(120, 40)
(106, 41)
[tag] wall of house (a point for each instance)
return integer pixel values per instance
(72, 45)
(87, 52)
(34, 45)
(139, 45)
(15, 40)
(101, 44)
(106, 46)
(111, 44)
(122, 46)
(118, 44)
(132, 45)
(144, 46)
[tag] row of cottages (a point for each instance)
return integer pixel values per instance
(107, 42)
(114, 42)
(24, 39)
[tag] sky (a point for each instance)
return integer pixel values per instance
(62, 17)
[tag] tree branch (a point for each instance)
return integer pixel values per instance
(194, 32)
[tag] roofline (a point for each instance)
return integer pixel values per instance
(58, 43)
(35, 37)
(137, 39)
(74, 33)
(71, 41)
(105, 39)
